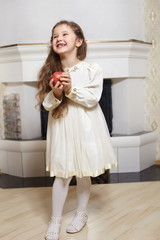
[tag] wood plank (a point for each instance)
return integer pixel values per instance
(116, 212)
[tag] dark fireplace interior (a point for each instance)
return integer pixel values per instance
(105, 103)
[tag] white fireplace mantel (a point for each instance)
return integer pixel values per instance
(119, 59)
(125, 62)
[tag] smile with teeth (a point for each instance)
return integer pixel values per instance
(59, 45)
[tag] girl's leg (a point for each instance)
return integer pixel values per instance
(83, 194)
(59, 194)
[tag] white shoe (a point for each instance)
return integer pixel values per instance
(53, 230)
(78, 222)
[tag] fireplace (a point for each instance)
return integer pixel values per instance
(123, 62)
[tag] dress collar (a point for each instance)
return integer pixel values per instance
(74, 68)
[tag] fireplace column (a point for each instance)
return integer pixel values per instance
(128, 105)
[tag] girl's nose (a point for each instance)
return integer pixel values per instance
(59, 38)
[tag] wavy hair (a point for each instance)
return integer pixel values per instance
(53, 64)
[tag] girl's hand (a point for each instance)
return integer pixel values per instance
(57, 89)
(66, 82)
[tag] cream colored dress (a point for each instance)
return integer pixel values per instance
(79, 143)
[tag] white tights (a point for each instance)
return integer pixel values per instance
(60, 191)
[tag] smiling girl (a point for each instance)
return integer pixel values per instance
(78, 142)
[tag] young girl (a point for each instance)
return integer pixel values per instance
(78, 142)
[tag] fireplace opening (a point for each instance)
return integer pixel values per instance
(105, 103)
(44, 121)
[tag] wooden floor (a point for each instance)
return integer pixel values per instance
(124, 211)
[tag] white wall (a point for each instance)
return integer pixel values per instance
(23, 21)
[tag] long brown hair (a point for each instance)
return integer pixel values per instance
(53, 64)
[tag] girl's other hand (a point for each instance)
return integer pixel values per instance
(66, 82)
(57, 89)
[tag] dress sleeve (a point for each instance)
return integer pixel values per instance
(51, 102)
(89, 95)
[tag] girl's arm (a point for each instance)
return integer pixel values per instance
(54, 97)
(89, 95)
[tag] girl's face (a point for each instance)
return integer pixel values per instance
(65, 40)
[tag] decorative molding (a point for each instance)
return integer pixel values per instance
(96, 49)
(23, 146)
(88, 41)
(126, 49)
(119, 59)
(20, 53)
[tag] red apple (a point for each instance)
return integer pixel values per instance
(56, 77)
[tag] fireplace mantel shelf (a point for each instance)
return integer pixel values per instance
(88, 41)
(119, 59)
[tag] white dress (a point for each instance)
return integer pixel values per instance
(79, 143)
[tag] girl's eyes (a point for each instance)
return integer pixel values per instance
(56, 36)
